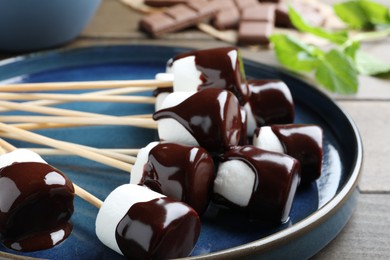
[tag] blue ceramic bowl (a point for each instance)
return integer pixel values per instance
(27, 25)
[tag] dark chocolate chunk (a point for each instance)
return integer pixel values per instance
(158, 229)
(36, 200)
(180, 172)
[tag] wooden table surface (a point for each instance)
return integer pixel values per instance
(367, 235)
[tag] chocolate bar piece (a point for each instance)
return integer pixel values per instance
(254, 33)
(228, 15)
(176, 18)
(260, 12)
(243, 4)
(256, 25)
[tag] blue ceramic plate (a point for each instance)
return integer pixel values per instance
(319, 212)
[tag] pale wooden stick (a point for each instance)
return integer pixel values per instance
(107, 92)
(106, 152)
(138, 122)
(51, 151)
(37, 126)
(84, 85)
(88, 197)
(70, 147)
(85, 195)
(51, 110)
(77, 98)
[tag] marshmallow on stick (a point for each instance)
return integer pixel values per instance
(142, 224)
(270, 102)
(36, 202)
(259, 182)
(301, 141)
(220, 68)
(184, 173)
(210, 118)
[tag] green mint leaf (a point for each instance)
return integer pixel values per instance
(376, 13)
(369, 65)
(337, 73)
(301, 25)
(351, 49)
(352, 14)
(294, 54)
(362, 14)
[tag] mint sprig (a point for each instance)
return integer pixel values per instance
(337, 69)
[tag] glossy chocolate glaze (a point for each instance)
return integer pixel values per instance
(183, 173)
(304, 143)
(36, 202)
(276, 179)
(212, 116)
(271, 103)
(158, 229)
(244, 127)
(221, 68)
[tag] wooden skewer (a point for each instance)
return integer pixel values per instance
(37, 126)
(84, 85)
(138, 122)
(85, 195)
(127, 158)
(107, 92)
(51, 151)
(77, 97)
(70, 147)
(52, 110)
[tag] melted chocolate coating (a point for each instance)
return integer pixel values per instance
(180, 172)
(221, 68)
(276, 179)
(270, 103)
(36, 200)
(158, 229)
(304, 143)
(212, 116)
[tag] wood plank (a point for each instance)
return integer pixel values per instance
(366, 235)
(373, 121)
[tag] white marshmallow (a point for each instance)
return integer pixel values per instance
(267, 140)
(235, 181)
(161, 97)
(142, 159)
(18, 156)
(186, 75)
(171, 130)
(251, 122)
(115, 207)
